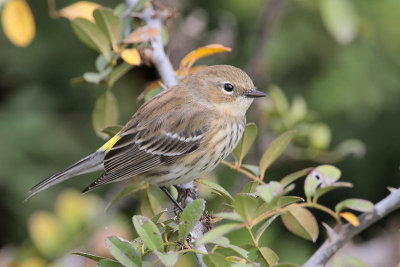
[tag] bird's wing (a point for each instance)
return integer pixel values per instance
(147, 144)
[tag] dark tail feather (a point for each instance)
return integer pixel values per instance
(91, 163)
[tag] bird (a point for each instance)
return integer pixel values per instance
(178, 135)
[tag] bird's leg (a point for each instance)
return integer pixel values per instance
(186, 193)
(165, 190)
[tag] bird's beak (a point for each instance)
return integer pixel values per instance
(255, 93)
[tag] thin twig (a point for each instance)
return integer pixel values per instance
(239, 169)
(309, 204)
(337, 239)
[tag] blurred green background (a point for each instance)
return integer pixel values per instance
(343, 60)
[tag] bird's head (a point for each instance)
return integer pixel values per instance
(224, 87)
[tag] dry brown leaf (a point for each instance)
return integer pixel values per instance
(141, 35)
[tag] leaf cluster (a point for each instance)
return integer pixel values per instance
(254, 208)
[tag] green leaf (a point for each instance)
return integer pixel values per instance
(286, 265)
(252, 168)
(149, 232)
(123, 251)
(351, 147)
(233, 216)
(241, 264)
(323, 190)
(279, 99)
(320, 136)
(156, 198)
(219, 190)
(301, 222)
(269, 191)
(324, 175)
(109, 263)
(140, 4)
(190, 217)
(109, 23)
(269, 256)
(168, 259)
(239, 251)
(152, 93)
(127, 190)
(215, 260)
(92, 36)
(357, 204)
(222, 241)
(156, 217)
(218, 232)
(112, 130)
(105, 112)
(118, 72)
(96, 77)
(264, 208)
(250, 187)
(164, 35)
(264, 227)
(89, 256)
(274, 150)
(290, 178)
(287, 200)
(340, 18)
(100, 63)
(92, 77)
(298, 110)
(245, 142)
(246, 205)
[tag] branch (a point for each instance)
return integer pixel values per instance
(159, 58)
(337, 239)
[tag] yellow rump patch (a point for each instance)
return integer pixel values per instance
(110, 143)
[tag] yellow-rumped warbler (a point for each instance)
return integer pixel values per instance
(179, 134)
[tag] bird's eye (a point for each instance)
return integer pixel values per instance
(228, 87)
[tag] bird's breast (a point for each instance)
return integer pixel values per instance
(217, 145)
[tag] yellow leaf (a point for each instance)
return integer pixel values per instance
(182, 73)
(350, 217)
(18, 23)
(235, 259)
(201, 52)
(47, 232)
(131, 56)
(142, 34)
(70, 208)
(32, 262)
(81, 9)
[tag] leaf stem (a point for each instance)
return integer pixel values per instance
(322, 208)
(191, 250)
(265, 216)
(252, 236)
(154, 262)
(239, 169)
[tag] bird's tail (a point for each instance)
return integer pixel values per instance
(91, 163)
